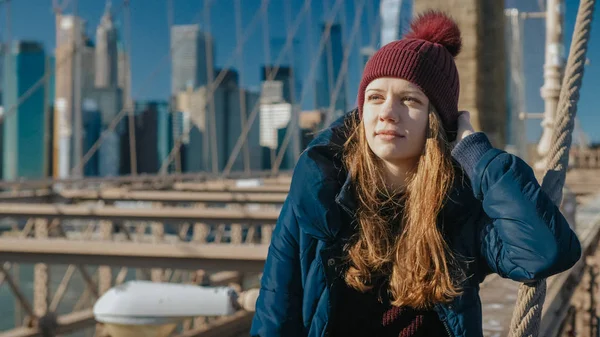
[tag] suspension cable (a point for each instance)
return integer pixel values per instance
(329, 53)
(212, 88)
(344, 67)
(273, 72)
(242, 92)
(32, 89)
(128, 101)
(324, 38)
(249, 30)
(267, 56)
(147, 81)
(296, 124)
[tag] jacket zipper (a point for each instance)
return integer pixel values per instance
(447, 329)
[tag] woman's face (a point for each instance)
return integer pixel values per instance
(395, 116)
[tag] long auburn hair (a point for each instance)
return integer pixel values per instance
(398, 235)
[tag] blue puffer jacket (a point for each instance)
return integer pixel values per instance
(498, 221)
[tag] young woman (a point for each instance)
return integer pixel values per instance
(399, 210)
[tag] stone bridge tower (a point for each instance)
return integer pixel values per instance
(481, 63)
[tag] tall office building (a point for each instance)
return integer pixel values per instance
(285, 76)
(395, 19)
(153, 134)
(49, 110)
(106, 52)
(70, 93)
(123, 72)
(366, 53)
(109, 156)
(88, 64)
(189, 47)
(287, 154)
(329, 73)
(189, 127)
(24, 154)
(92, 127)
(177, 133)
(109, 102)
(253, 139)
(291, 59)
(272, 118)
(211, 141)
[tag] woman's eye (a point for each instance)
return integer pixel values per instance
(375, 97)
(410, 99)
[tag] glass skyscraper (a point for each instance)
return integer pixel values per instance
(24, 153)
(189, 46)
(153, 132)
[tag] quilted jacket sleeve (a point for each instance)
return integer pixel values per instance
(279, 305)
(524, 236)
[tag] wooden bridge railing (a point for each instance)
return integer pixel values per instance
(200, 245)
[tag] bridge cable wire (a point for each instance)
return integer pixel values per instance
(214, 159)
(215, 84)
(329, 54)
(128, 101)
(359, 38)
(376, 26)
(273, 72)
(526, 317)
(344, 67)
(242, 93)
(338, 81)
(272, 75)
(147, 81)
(42, 80)
(267, 56)
(287, 17)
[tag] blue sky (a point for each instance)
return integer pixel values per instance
(34, 20)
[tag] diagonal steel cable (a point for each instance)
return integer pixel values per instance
(148, 80)
(338, 80)
(32, 89)
(213, 86)
(243, 137)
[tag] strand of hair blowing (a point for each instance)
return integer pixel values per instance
(419, 259)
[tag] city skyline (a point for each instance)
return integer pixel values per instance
(150, 36)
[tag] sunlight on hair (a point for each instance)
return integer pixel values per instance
(398, 235)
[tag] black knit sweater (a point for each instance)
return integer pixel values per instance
(364, 314)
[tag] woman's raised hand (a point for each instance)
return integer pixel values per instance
(464, 127)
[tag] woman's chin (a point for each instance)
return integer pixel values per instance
(393, 156)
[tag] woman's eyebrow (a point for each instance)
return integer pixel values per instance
(376, 89)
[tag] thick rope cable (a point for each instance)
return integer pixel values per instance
(528, 310)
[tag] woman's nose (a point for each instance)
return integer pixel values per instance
(390, 111)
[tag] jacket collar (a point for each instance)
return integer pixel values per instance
(346, 198)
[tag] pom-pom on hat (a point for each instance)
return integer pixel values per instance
(424, 57)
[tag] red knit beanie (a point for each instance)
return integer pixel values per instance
(424, 57)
